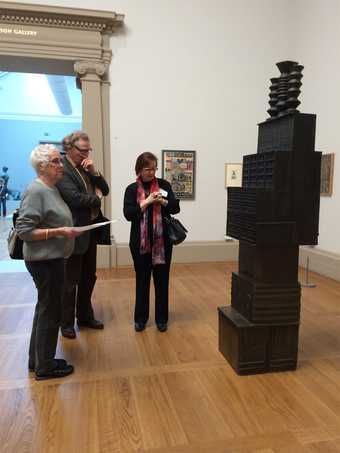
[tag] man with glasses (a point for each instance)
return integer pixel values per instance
(82, 188)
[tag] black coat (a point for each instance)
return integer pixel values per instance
(80, 202)
(133, 213)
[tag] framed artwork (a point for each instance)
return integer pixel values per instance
(233, 175)
(327, 170)
(178, 168)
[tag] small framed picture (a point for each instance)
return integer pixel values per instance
(178, 168)
(233, 175)
(327, 170)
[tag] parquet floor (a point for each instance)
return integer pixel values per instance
(168, 392)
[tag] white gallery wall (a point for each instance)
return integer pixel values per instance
(194, 75)
(318, 45)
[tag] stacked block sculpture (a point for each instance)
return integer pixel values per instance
(275, 211)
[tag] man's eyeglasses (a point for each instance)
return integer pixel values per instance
(82, 150)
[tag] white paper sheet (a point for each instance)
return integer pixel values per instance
(93, 226)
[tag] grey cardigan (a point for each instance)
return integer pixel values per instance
(43, 207)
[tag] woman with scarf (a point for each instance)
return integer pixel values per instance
(146, 202)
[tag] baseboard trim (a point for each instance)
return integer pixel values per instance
(320, 261)
(189, 252)
(106, 256)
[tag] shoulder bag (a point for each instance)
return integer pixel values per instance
(176, 230)
(14, 243)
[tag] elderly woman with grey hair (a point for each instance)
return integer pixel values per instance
(45, 225)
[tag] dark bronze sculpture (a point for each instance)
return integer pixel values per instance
(275, 211)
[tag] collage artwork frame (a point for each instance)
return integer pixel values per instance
(179, 169)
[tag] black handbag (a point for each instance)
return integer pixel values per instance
(176, 230)
(14, 243)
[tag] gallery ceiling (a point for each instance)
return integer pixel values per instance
(36, 95)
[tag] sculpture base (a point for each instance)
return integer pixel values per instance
(255, 348)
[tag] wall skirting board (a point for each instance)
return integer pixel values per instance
(320, 261)
(188, 252)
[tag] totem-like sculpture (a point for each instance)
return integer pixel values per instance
(275, 211)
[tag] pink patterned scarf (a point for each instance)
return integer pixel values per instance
(158, 254)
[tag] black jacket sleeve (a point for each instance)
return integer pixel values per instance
(131, 209)
(99, 181)
(73, 197)
(173, 204)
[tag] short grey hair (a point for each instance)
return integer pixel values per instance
(40, 156)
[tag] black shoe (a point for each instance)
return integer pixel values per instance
(68, 332)
(53, 374)
(60, 363)
(162, 327)
(91, 324)
(139, 326)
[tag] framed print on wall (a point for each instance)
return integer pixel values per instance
(327, 170)
(233, 175)
(178, 168)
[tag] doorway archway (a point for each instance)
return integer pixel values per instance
(68, 41)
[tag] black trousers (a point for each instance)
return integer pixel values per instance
(3, 206)
(48, 276)
(160, 273)
(80, 280)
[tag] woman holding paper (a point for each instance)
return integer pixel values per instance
(45, 226)
(146, 202)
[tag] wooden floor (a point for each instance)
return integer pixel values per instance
(168, 392)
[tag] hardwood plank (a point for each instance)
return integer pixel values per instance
(282, 442)
(198, 415)
(159, 421)
(168, 392)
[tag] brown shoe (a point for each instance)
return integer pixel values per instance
(68, 332)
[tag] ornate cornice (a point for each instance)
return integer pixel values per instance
(58, 17)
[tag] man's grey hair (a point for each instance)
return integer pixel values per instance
(40, 156)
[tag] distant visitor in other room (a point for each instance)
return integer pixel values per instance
(4, 177)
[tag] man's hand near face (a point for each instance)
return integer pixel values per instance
(88, 165)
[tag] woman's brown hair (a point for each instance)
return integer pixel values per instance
(144, 160)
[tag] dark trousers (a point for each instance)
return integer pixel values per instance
(160, 273)
(3, 206)
(80, 280)
(48, 276)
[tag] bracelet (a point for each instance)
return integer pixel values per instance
(46, 234)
